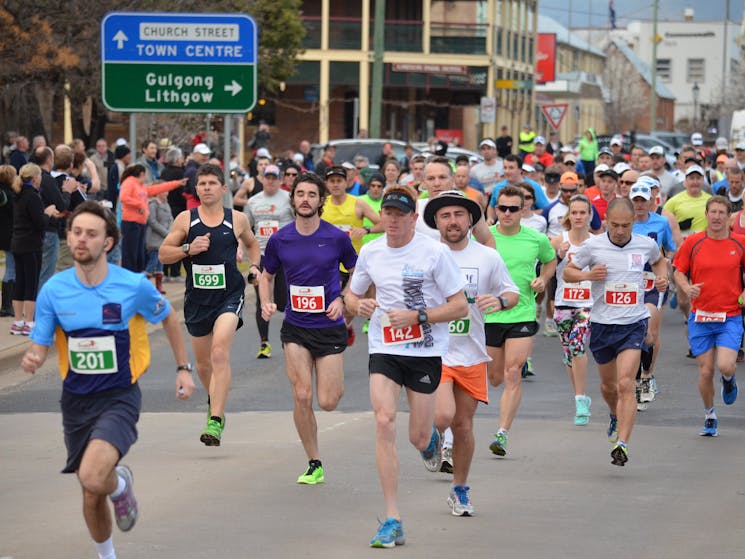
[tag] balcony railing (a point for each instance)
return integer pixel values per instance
(458, 38)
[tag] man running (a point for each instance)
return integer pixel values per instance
(464, 381)
(206, 239)
(708, 268)
(509, 334)
(618, 320)
(419, 289)
(103, 349)
(314, 334)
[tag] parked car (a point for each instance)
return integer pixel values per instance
(372, 148)
(676, 140)
(644, 141)
(452, 152)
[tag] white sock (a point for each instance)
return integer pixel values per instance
(447, 438)
(18, 323)
(121, 485)
(579, 396)
(105, 549)
(710, 413)
(725, 377)
(503, 431)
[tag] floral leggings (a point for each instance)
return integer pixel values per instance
(574, 330)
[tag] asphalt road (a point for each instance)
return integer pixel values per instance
(554, 495)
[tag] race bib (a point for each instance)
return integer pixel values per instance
(210, 276)
(267, 228)
(460, 327)
(649, 278)
(580, 292)
(346, 228)
(92, 356)
(396, 336)
(307, 299)
(703, 316)
(621, 294)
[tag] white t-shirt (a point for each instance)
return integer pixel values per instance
(422, 227)
(619, 298)
(578, 295)
(420, 275)
(555, 217)
(535, 221)
(484, 272)
(267, 214)
(488, 175)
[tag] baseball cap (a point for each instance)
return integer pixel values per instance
(450, 198)
(616, 141)
(337, 170)
(569, 177)
(298, 158)
(202, 148)
(349, 166)
(488, 142)
(650, 181)
(377, 177)
(399, 200)
(722, 158)
(600, 168)
(621, 167)
(697, 139)
(740, 146)
(121, 142)
(263, 152)
(694, 169)
(606, 151)
(656, 150)
(570, 157)
(121, 151)
(721, 143)
(272, 170)
(528, 168)
(640, 189)
(609, 173)
(539, 140)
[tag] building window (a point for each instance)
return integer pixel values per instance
(664, 69)
(696, 71)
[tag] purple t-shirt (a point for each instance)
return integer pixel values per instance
(311, 266)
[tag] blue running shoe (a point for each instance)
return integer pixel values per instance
(432, 455)
(674, 301)
(710, 428)
(729, 391)
(390, 534)
(613, 429)
(459, 501)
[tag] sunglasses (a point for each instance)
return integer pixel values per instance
(290, 174)
(569, 190)
(639, 190)
(627, 183)
(512, 209)
(572, 163)
(528, 197)
(552, 178)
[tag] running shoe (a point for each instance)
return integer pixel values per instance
(653, 385)
(432, 455)
(265, 352)
(447, 460)
(499, 444)
(619, 455)
(729, 391)
(740, 355)
(16, 329)
(390, 534)
(640, 405)
(690, 355)
(459, 500)
(582, 410)
(26, 331)
(351, 336)
(125, 505)
(674, 301)
(549, 328)
(710, 428)
(213, 432)
(529, 371)
(647, 395)
(313, 475)
(366, 326)
(613, 429)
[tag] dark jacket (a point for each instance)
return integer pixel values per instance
(51, 193)
(6, 216)
(176, 196)
(29, 221)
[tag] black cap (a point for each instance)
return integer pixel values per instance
(609, 173)
(378, 178)
(450, 198)
(337, 170)
(399, 200)
(605, 151)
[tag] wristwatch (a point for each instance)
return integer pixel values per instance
(421, 316)
(185, 247)
(503, 302)
(186, 368)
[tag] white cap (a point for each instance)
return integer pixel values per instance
(121, 142)
(569, 156)
(566, 149)
(621, 167)
(695, 169)
(473, 159)
(349, 166)
(263, 152)
(202, 148)
(488, 142)
(528, 168)
(539, 140)
(298, 158)
(600, 168)
(697, 139)
(656, 150)
(721, 143)
(616, 141)
(740, 146)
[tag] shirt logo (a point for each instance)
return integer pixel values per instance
(159, 306)
(111, 313)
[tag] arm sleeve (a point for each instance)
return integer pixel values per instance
(546, 252)
(595, 222)
(448, 276)
(682, 261)
(45, 318)
(270, 260)
(502, 281)
(154, 189)
(151, 304)
(348, 254)
(361, 279)
(540, 197)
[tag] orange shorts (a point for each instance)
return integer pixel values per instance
(472, 380)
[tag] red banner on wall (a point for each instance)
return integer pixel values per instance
(545, 58)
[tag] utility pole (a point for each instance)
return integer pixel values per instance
(376, 99)
(653, 93)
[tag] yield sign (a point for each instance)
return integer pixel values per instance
(555, 114)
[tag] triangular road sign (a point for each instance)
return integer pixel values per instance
(555, 113)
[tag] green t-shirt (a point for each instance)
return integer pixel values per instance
(684, 207)
(520, 253)
(375, 205)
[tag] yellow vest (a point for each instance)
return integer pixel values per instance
(526, 141)
(344, 217)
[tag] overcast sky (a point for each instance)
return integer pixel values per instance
(594, 13)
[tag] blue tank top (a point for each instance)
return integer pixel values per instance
(213, 275)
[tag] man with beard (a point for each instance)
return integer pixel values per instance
(103, 349)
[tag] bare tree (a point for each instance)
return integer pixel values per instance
(628, 100)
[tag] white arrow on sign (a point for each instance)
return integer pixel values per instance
(120, 37)
(234, 87)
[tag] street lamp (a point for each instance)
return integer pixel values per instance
(695, 90)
